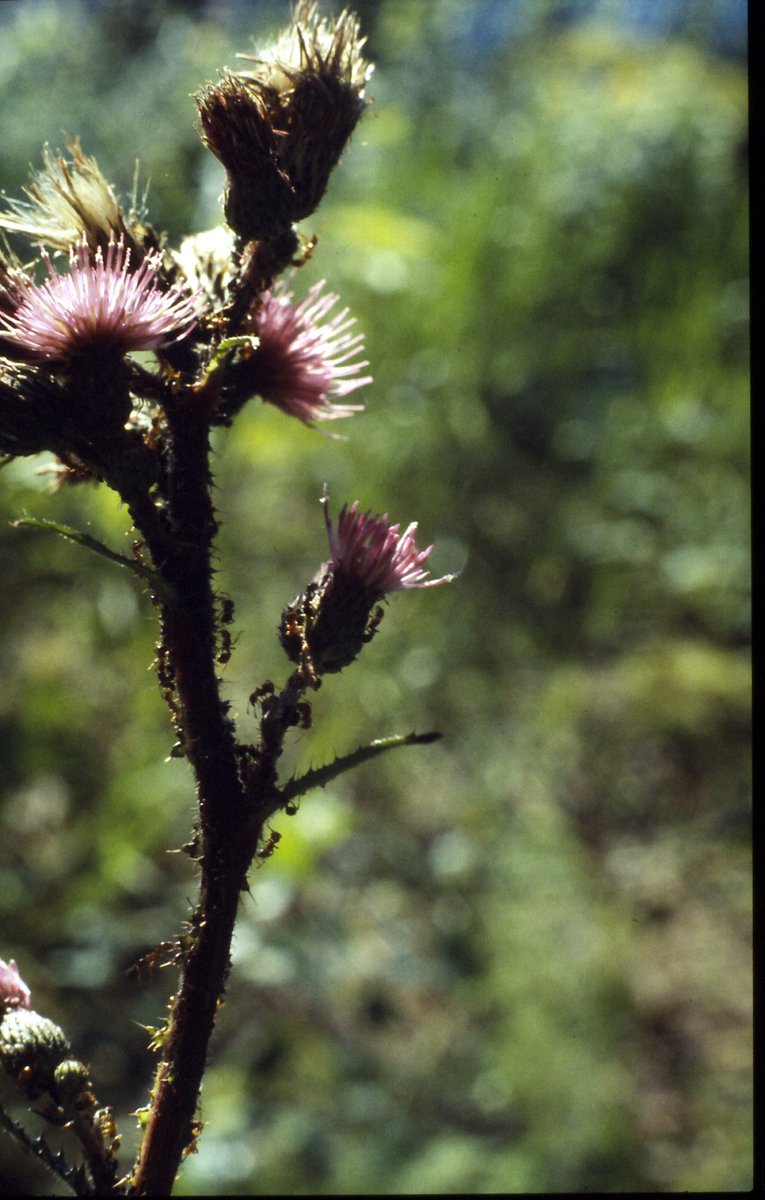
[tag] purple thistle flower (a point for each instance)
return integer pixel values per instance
(100, 304)
(373, 553)
(326, 627)
(300, 363)
(12, 986)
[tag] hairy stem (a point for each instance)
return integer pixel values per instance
(229, 828)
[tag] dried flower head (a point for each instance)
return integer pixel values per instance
(312, 83)
(325, 628)
(100, 304)
(205, 261)
(258, 197)
(66, 200)
(330, 50)
(300, 363)
(13, 990)
(280, 128)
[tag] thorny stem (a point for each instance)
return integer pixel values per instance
(233, 800)
(99, 1155)
(229, 836)
(261, 262)
(170, 1128)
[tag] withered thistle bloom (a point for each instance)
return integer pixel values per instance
(313, 44)
(326, 627)
(302, 364)
(66, 200)
(257, 200)
(13, 990)
(100, 305)
(280, 128)
(205, 261)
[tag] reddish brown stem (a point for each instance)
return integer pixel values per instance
(170, 1129)
(180, 540)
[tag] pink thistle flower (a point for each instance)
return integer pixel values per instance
(326, 627)
(373, 553)
(100, 304)
(300, 363)
(12, 986)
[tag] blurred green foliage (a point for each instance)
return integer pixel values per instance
(518, 960)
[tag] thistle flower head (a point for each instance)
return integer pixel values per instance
(374, 554)
(300, 363)
(100, 304)
(66, 200)
(326, 627)
(329, 49)
(280, 128)
(258, 197)
(13, 990)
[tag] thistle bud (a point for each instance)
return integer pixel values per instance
(71, 1079)
(31, 1048)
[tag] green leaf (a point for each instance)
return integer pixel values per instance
(74, 1177)
(91, 543)
(321, 776)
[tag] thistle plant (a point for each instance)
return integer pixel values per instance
(220, 317)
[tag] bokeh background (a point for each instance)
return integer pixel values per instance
(517, 960)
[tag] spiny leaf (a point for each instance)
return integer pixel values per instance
(91, 543)
(321, 776)
(74, 1176)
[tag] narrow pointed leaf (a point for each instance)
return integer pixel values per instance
(321, 776)
(74, 1177)
(91, 543)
